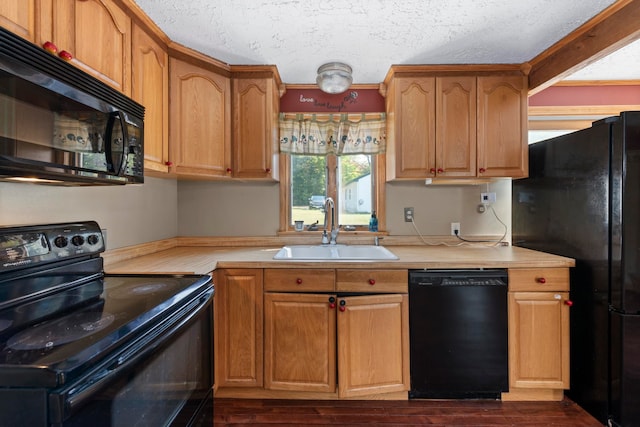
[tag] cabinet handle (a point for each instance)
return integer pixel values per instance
(440, 170)
(299, 281)
(343, 304)
(372, 281)
(568, 302)
(541, 280)
(482, 170)
(332, 302)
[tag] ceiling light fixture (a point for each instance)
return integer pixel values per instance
(334, 77)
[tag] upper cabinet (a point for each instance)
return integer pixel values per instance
(444, 124)
(502, 126)
(96, 33)
(200, 111)
(19, 17)
(256, 104)
(150, 87)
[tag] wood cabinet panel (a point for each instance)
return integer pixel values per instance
(300, 342)
(539, 279)
(455, 126)
(199, 135)
(539, 340)
(238, 331)
(373, 345)
(386, 281)
(300, 280)
(255, 128)
(411, 108)
(98, 35)
(19, 17)
(502, 126)
(150, 87)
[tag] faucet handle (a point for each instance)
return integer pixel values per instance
(376, 240)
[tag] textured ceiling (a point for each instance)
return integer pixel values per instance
(371, 35)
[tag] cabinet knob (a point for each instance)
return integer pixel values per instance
(168, 163)
(332, 302)
(50, 47)
(568, 302)
(440, 170)
(372, 281)
(482, 170)
(433, 171)
(65, 55)
(228, 170)
(268, 170)
(541, 280)
(299, 281)
(343, 304)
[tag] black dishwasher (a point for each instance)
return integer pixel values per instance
(458, 333)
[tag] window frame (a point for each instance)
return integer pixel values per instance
(379, 202)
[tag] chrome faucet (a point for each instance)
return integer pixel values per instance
(333, 231)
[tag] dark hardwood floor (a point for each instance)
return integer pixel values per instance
(379, 413)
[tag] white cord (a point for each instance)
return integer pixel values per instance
(433, 243)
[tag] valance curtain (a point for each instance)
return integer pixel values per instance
(338, 134)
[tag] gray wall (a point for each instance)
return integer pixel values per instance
(132, 214)
(164, 208)
(251, 209)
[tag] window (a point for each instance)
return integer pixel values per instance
(350, 179)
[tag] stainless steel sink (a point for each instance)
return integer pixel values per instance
(335, 252)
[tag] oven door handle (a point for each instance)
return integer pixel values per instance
(78, 394)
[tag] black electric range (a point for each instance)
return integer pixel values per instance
(77, 344)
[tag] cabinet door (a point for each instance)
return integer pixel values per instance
(238, 328)
(502, 127)
(539, 340)
(150, 87)
(98, 35)
(199, 135)
(456, 126)
(19, 18)
(255, 128)
(373, 345)
(300, 342)
(411, 108)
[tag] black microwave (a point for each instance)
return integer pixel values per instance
(61, 126)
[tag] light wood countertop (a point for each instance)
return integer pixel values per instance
(203, 260)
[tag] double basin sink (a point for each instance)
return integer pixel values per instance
(335, 252)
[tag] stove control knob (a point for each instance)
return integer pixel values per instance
(77, 240)
(61, 241)
(93, 239)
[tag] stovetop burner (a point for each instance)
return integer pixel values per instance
(60, 331)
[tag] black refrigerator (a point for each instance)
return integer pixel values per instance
(582, 200)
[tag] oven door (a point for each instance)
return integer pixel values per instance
(165, 377)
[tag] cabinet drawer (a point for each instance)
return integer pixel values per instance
(539, 279)
(300, 280)
(394, 281)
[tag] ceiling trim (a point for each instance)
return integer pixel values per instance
(613, 28)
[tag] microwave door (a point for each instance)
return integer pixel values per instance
(115, 148)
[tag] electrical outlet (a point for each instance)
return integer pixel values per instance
(455, 228)
(487, 198)
(408, 214)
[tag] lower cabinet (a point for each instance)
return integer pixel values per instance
(305, 334)
(238, 317)
(538, 333)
